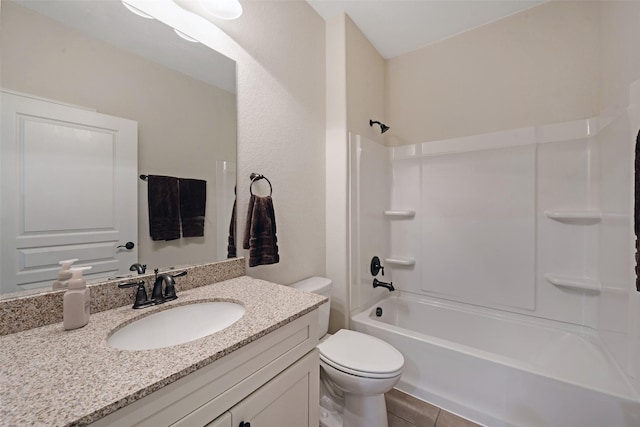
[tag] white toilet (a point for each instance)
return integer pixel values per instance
(361, 367)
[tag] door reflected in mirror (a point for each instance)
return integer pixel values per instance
(100, 57)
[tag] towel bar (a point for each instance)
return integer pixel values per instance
(257, 177)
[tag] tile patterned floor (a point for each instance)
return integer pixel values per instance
(404, 410)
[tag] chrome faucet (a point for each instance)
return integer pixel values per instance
(389, 285)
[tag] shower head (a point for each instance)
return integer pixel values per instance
(383, 127)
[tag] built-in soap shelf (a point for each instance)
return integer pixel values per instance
(400, 213)
(580, 283)
(590, 216)
(401, 261)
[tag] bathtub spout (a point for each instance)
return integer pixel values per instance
(389, 286)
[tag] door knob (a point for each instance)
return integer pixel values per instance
(128, 246)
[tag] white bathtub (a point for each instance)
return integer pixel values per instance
(501, 369)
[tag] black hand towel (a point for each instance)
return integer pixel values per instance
(260, 232)
(164, 207)
(231, 246)
(193, 201)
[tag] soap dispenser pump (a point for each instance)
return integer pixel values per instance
(64, 274)
(76, 301)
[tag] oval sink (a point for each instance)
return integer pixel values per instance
(176, 325)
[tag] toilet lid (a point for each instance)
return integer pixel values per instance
(360, 354)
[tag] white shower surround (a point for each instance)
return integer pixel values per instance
(565, 255)
(482, 232)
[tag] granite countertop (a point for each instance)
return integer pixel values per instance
(55, 377)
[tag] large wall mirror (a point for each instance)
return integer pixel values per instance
(98, 56)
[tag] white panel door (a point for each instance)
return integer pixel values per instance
(69, 190)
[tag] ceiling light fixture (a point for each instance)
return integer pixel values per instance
(137, 11)
(223, 9)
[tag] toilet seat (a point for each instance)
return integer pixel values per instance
(361, 355)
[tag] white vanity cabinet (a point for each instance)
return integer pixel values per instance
(270, 382)
(284, 401)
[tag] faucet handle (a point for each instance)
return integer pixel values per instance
(141, 294)
(129, 285)
(375, 266)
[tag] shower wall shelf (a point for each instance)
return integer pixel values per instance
(403, 213)
(401, 261)
(577, 215)
(580, 283)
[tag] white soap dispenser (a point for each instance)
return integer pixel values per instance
(64, 274)
(76, 301)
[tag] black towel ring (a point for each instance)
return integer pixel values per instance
(257, 177)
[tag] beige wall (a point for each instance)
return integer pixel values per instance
(180, 120)
(281, 128)
(535, 67)
(365, 84)
(355, 94)
(620, 50)
(337, 249)
(279, 47)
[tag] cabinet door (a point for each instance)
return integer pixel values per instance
(223, 420)
(290, 399)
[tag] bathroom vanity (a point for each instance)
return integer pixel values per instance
(272, 382)
(262, 370)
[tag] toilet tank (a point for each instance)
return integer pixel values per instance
(321, 286)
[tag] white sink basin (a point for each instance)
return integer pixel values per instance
(176, 325)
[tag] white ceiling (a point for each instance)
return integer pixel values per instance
(395, 27)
